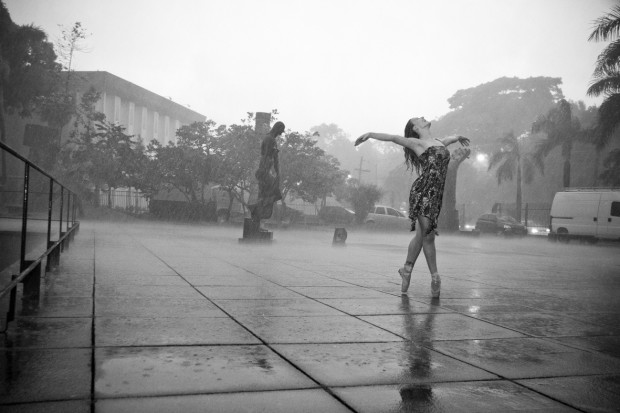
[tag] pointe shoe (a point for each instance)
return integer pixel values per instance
(406, 276)
(435, 285)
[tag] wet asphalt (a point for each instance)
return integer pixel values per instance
(184, 318)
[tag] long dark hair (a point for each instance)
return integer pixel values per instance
(411, 159)
(277, 129)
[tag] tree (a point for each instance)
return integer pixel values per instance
(187, 164)
(606, 76)
(98, 153)
(306, 171)
(362, 198)
(561, 129)
(488, 110)
(70, 41)
(28, 70)
(510, 160)
(611, 175)
(238, 155)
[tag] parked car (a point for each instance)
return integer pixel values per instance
(336, 215)
(385, 217)
(501, 225)
(535, 228)
(585, 214)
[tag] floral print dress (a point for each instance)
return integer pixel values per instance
(427, 191)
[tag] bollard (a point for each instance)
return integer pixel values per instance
(340, 236)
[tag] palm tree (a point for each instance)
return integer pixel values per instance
(606, 76)
(562, 129)
(510, 161)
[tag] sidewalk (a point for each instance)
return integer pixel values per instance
(182, 318)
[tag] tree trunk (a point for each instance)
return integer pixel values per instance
(566, 174)
(518, 206)
(448, 216)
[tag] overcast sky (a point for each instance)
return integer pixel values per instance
(365, 65)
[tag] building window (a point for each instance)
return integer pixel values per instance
(615, 209)
(143, 123)
(117, 109)
(130, 118)
(166, 129)
(156, 126)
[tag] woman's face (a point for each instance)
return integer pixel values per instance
(420, 123)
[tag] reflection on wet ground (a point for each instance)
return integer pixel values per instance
(167, 317)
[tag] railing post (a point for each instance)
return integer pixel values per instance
(22, 254)
(50, 205)
(62, 201)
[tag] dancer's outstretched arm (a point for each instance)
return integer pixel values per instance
(449, 140)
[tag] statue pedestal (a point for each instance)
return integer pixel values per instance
(253, 233)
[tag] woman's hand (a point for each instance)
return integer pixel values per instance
(463, 140)
(362, 138)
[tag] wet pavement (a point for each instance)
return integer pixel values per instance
(183, 318)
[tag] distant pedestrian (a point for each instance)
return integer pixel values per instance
(430, 157)
(268, 176)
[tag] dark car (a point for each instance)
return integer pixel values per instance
(505, 225)
(336, 215)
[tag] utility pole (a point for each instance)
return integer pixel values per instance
(360, 170)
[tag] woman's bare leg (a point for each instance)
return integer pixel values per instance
(415, 246)
(428, 246)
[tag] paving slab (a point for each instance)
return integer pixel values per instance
(384, 305)
(75, 406)
(142, 279)
(480, 397)
(147, 291)
(271, 291)
(151, 371)
(432, 326)
(293, 401)
(339, 292)
(609, 345)
(318, 329)
(300, 307)
(131, 331)
(547, 325)
(358, 364)
(31, 375)
(44, 332)
(588, 393)
(518, 358)
(155, 307)
(57, 306)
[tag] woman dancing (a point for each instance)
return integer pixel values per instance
(430, 157)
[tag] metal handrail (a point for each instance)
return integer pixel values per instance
(30, 271)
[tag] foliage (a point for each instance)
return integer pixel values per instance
(239, 152)
(362, 198)
(185, 165)
(562, 129)
(306, 171)
(606, 76)
(29, 62)
(488, 110)
(98, 153)
(611, 175)
(509, 160)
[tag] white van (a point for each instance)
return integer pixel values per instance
(586, 214)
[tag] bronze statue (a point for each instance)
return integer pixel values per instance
(268, 176)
